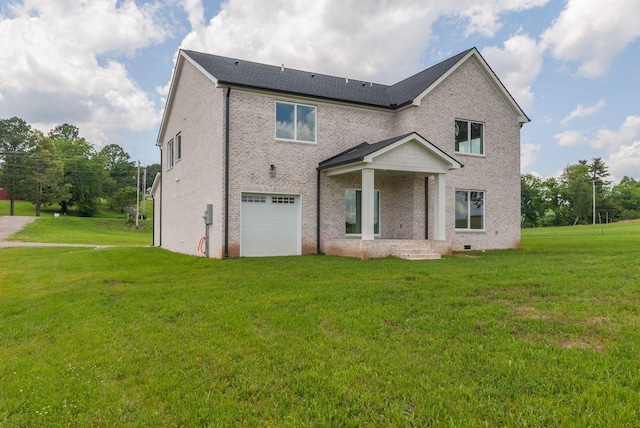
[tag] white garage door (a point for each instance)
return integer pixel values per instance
(269, 225)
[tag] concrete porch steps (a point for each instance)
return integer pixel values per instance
(412, 250)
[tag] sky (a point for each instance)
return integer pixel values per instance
(105, 65)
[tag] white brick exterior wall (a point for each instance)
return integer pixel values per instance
(198, 111)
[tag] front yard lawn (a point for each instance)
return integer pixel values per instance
(543, 336)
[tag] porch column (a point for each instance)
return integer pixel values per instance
(368, 206)
(440, 208)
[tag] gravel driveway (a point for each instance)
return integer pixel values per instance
(12, 224)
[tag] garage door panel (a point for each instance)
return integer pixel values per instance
(270, 225)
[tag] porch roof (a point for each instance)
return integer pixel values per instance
(365, 154)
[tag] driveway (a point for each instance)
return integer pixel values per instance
(12, 224)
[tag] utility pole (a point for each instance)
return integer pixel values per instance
(144, 194)
(593, 183)
(138, 196)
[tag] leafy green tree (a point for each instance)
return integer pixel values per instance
(531, 200)
(44, 184)
(84, 170)
(65, 132)
(120, 168)
(625, 199)
(152, 170)
(125, 197)
(16, 142)
(575, 190)
(598, 171)
(556, 210)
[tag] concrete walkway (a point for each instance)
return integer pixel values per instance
(13, 224)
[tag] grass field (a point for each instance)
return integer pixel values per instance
(543, 336)
(24, 208)
(78, 230)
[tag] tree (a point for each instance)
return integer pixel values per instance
(532, 206)
(45, 181)
(152, 170)
(120, 169)
(125, 197)
(625, 199)
(65, 132)
(84, 170)
(575, 190)
(599, 171)
(16, 142)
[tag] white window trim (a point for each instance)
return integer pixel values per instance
(484, 212)
(484, 145)
(355, 235)
(178, 147)
(295, 123)
(170, 155)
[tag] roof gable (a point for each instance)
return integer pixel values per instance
(370, 153)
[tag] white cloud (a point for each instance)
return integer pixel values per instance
(60, 66)
(581, 111)
(517, 65)
(569, 138)
(528, 154)
(340, 37)
(626, 161)
(620, 146)
(593, 32)
(609, 140)
(484, 18)
(376, 39)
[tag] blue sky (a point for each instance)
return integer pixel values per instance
(105, 65)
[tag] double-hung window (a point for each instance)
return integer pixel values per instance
(469, 137)
(353, 212)
(170, 154)
(296, 122)
(469, 210)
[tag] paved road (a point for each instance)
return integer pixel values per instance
(12, 224)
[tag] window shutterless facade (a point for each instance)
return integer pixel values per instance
(296, 122)
(170, 154)
(469, 137)
(353, 212)
(469, 210)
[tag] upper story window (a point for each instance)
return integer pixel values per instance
(179, 146)
(296, 122)
(170, 155)
(469, 210)
(469, 137)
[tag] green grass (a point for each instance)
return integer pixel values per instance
(94, 231)
(543, 336)
(24, 208)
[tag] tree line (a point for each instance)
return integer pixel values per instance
(569, 200)
(63, 168)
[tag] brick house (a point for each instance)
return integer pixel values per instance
(296, 162)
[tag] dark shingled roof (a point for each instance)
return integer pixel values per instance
(362, 150)
(229, 71)
(358, 153)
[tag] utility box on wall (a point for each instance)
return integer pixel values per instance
(208, 214)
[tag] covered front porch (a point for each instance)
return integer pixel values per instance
(405, 156)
